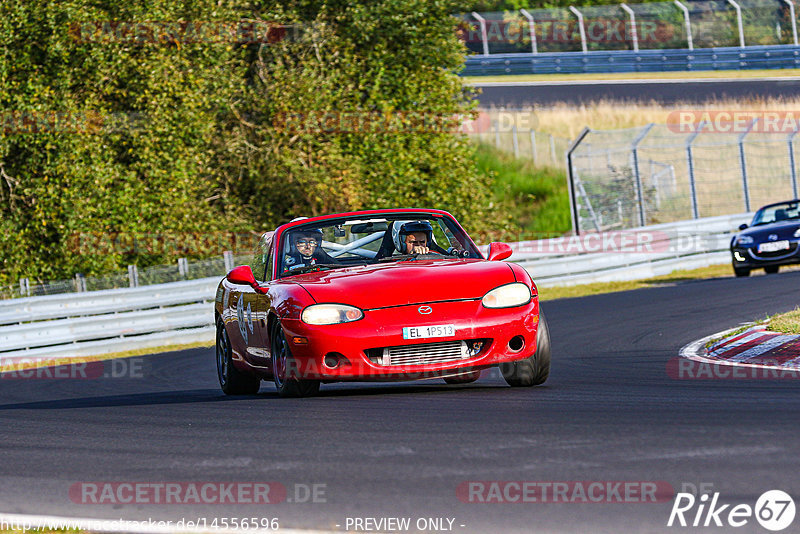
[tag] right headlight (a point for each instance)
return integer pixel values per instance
(507, 296)
(744, 240)
(320, 314)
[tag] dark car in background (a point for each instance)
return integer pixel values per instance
(770, 241)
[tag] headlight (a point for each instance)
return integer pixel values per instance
(516, 294)
(330, 314)
(744, 240)
(797, 233)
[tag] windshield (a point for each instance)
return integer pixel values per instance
(777, 213)
(372, 239)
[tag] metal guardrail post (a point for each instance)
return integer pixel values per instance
(743, 164)
(484, 37)
(573, 208)
(639, 187)
(552, 149)
(739, 22)
(794, 27)
(133, 276)
(634, 34)
(227, 257)
(690, 165)
(688, 23)
(533, 147)
(80, 283)
(790, 142)
(532, 26)
(581, 28)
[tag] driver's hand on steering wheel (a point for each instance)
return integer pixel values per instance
(419, 249)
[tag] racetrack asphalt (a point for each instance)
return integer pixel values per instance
(666, 91)
(609, 412)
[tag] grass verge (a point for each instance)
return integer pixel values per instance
(535, 198)
(788, 323)
(696, 75)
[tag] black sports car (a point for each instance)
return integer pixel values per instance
(770, 241)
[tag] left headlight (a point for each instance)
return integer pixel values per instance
(507, 296)
(797, 233)
(330, 314)
(744, 240)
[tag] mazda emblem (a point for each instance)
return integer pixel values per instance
(425, 310)
(773, 237)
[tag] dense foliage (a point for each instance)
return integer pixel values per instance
(113, 132)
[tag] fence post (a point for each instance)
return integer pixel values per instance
(688, 23)
(637, 176)
(634, 34)
(794, 25)
(515, 140)
(738, 21)
(573, 208)
(743, 165)
(532, 26)
(133, 276)
(790, 142)
(227, 257)
(552, 149)
(80, 283)
(25, 287)
(690, 164)
(496, 129)
(183, 267)
(484, 38)
(533, 147)
(580, 27)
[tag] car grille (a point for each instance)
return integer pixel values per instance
(421, 354)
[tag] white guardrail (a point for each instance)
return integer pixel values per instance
(118, 320)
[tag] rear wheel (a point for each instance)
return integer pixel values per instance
(284, 369)
(741, 272)
(231, 380)
(466, 378)
(534, 370)
(772, 269)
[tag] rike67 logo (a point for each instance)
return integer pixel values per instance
(774, 510)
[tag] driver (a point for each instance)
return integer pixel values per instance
(413, 237)
(305, 249)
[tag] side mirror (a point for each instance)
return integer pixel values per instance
(499, 251)
(742, 226)
(242, 275)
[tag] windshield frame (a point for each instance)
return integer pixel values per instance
(283, 232)
(791, 204)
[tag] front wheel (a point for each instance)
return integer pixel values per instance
(741, 272)
(231, 380)
(534, 370)
(284, 369)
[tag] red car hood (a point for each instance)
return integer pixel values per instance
(408, 282)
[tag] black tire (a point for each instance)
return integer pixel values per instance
(288, 386)
(740, 273)
(534, 370)
(466, 378)
(772, 269)
(231, 380)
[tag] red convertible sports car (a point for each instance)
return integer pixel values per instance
(398, 294)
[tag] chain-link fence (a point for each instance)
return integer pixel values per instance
(134, 277)
(666, 173)
(656, 25)
(513, 131)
